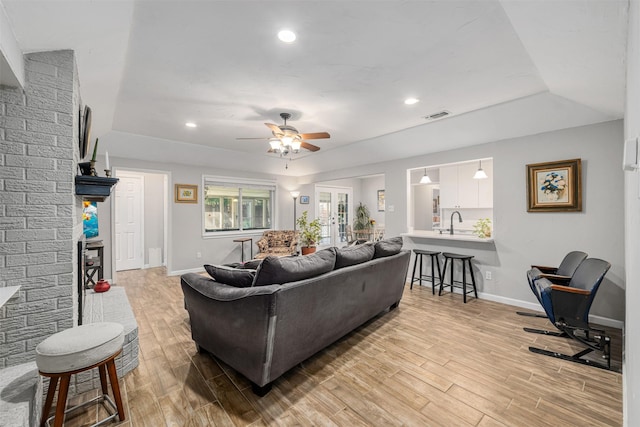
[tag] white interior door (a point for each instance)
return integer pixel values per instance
(334, 210)
(128, 222)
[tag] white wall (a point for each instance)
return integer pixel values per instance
(185, 220)
(631, 358)
(369, 196)
(523, 238)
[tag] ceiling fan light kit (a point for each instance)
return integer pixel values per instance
(287, 140)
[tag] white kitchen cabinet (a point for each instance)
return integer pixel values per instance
(485, 186)
(449, 187)
(459, 190)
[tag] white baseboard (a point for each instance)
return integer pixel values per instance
(181, 272)
(605, 321)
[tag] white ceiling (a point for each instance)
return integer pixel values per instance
(147, 67)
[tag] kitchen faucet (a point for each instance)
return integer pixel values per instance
(459, 216)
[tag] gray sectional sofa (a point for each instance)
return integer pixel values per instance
(293, 307)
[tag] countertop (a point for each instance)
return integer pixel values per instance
(423, 234)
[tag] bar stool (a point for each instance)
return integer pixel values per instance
(77, 350)
(449, 259)
(420, 253)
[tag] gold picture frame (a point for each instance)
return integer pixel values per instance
(186, 193)
(555, 186)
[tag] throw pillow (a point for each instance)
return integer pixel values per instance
(240, 278)
(352, 255)
(388, 247)
(278, 270)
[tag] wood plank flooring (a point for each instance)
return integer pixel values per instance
(434, 361)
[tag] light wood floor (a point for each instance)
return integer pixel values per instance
(433, 361)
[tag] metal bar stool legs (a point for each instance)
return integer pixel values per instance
(449, 259)
(435, 263)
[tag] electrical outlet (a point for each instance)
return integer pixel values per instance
(487, 275)
(198, 254)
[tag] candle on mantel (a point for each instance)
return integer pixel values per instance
(106, 157)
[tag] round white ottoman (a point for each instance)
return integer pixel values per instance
(76, 350)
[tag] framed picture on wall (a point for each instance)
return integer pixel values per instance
(304, 200)
(380, 200)
(186, 193)
(554, 186)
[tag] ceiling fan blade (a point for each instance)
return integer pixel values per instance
(274, 128)
(308, 146)
(315, 135)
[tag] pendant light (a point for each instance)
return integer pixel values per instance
(480, 174)
(425, 179)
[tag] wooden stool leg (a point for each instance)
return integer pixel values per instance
(433, 277)
(62, 400)
(115, 386)
(444, 274)
(473, 280)
(103, 379)
(464, 282)
(53, 384)
(413, 275)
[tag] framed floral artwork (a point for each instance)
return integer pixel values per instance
(186, 193)
(554, 186)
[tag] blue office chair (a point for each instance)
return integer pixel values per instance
(567, 308)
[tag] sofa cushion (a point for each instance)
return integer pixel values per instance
(388, 247)
(279, 270)
(251, 264)
(352, 255)
(238, 277)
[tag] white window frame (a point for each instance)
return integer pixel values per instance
(240, 182)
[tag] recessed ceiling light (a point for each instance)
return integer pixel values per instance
(191, 125)
(411, 101)
(287, 36)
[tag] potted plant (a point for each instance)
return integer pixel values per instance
(310, 233)
(482, 228)
(362, 223)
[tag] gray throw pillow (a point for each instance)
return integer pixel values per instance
(240, 278)
(279, 270)
(252, 264)
(352, 255)
(388, 247)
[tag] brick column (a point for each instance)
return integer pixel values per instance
(40, 216)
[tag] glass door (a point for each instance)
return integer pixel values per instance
(333, 209)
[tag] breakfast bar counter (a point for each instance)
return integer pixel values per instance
(485, 257)
(428, 234)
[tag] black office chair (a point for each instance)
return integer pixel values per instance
(560, 275)
(567, 308)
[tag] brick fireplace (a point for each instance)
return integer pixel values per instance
(40, 215)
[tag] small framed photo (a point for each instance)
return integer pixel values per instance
(554, 186)
(304, 200)
(186, 193)
(380, 200)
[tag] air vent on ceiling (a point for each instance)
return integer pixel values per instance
(438, 115)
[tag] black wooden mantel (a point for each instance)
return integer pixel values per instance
(94, 188)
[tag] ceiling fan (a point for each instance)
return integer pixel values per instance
(286, 139)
